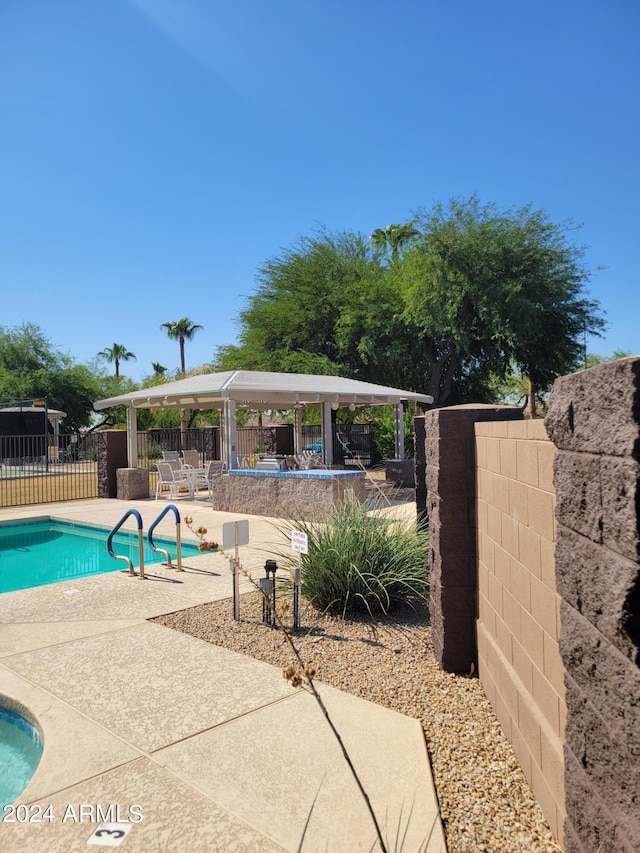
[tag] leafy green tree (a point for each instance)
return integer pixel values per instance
(115, 354)
(495, 287)
(32, 367)
(158, 369)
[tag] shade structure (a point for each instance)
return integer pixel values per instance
(254, 389)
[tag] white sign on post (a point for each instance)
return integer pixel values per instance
(299, 542)
(231, 529)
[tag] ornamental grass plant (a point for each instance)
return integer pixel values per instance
(360, 560)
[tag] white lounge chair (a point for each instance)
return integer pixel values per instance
(173, 459)
(170, 478)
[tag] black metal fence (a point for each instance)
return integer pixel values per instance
(45, 468)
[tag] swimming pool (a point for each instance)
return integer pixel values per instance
(46, 550)
(20, 753)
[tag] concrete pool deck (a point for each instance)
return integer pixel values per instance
(216, 749)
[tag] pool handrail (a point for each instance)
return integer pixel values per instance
(178, 541)
(115, 556)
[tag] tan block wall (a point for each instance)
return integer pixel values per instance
(518, 606)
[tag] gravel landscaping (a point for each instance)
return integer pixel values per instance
(485, 801)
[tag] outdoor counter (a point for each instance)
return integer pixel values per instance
(306, 494)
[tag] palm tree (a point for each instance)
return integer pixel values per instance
(393, 237)
(116, 354)
(158, 369)
(181, 330)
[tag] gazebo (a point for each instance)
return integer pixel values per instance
(253, 389)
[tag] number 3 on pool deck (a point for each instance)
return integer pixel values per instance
(109, 834)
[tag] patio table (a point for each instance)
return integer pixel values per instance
(191, 475)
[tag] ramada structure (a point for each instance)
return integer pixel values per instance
(252, 389)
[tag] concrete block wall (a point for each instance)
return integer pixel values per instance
(518, 623)
(594, 420)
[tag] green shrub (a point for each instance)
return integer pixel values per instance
(360, 561)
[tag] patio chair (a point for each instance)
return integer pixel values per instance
(190, 459)
(170, 478)
(215, 469)
(309, 459)
(173, 458)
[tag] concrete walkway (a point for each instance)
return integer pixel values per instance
(214, 749)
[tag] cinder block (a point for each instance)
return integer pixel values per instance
(486, 550)
(520, 584)
(546, 459)
(527, 458)
(518, 502)
(502, 713)
(578, 493)
(532, 639)
(502, 566)
(544, 606)
(548, 563)
(597, 410)
(606, 676)
(501, 494)
(517, 430)
(503, 639)
(511, 610)
(495, 594)
(620, 486)
(541, 512)
(522, 751)
(522, 665)
(508, 465)
(553, 667)
(546, 699)
(529, 722)
(536, 429)
(529, 550)
(509, 538)
(545, 798)
(598, 583)
(494, 523)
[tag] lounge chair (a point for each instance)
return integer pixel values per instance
(170, 478)
(310, 459)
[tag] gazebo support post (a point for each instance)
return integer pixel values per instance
(327, 434)
(398, 417)
(132, 437)
(229, 434)
(297, 431)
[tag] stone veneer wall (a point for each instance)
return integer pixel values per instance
(112, 454)
(594, 419)
(519, 609)
(297, 497)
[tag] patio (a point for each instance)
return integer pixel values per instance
(135, 713)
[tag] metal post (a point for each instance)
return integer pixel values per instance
(141, 552)
(296, 598)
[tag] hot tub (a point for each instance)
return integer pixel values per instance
(307, 494)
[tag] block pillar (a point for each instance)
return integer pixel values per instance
(451, 509)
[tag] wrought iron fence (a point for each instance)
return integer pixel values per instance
(46, 468)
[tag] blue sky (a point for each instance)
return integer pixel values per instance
(155, 152)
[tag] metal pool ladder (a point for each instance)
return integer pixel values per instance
(154, 547)
(115, 556)
(178, 541)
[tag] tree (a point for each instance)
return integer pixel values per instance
(116, 354)
(495, 288)
(32, 367)
(181, 331)
(393, 237)
(158, 369)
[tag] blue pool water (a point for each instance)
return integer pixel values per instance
(20, 753)
(44, 551)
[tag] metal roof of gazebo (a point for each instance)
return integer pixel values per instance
(254, 389)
